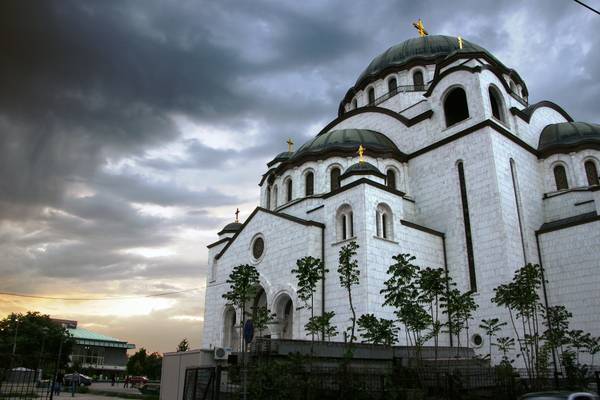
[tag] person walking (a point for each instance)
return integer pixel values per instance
(112, 380)
(58, 383)
(126, 383)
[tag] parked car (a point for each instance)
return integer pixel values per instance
(150, 388)
(560, 395)
(138, 380)
(83, 380)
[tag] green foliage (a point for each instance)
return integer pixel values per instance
(142, 363)
(491, 327)
(377, 330)
(322, 325)
(521, 298)
(32, 329)
(183, 345)
(309, 271)
(505, 345)
(243, 282)
(349, 276)
(261, 318)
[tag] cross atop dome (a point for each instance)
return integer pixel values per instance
(419, 26)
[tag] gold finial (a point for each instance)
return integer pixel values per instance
(419, 25)
(361, 151)
(290, 143)
(237, 215)
(460, 42)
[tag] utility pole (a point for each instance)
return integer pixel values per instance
(14, 349)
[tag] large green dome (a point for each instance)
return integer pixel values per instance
(346, 141)
(427, 47)
(568, 136)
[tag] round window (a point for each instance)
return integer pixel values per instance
(258, 247)
(477, 340)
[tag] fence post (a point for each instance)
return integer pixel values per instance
(217, 383)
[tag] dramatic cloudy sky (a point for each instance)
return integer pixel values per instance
(131, 130)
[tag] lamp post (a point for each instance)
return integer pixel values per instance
(14, 349)
(44, 333)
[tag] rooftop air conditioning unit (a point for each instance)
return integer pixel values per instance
(222, 353)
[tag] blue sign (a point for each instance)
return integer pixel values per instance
(248, 331)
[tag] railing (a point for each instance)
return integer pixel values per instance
(399, 89)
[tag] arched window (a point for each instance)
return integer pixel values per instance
(384, 221)
(496, 103)
(274, 197)
(513, 87)
(371, 96)
(334, 176)
(391, 179)
(269, 197)
(418, 81)
(591, 172)
(288, 190)
(560, 177)
(455, 106)
(354, 104)
(309, 182)
(284, 310)
(345, 223)
(392, 86)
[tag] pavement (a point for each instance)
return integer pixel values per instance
(118, 388)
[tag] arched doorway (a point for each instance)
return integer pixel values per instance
(284, 309)
(230, 329)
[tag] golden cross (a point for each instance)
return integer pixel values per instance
(237, 215)
(419, 25)
(460, 43)
(290, 144)
(360, 152)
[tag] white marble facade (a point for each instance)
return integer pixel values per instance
(517, 210)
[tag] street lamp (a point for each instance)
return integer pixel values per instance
(14, 349)
(44, 333)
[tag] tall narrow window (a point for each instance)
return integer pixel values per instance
(392, 86)
(467, 223)
(371, 96)
(334, 178)
(269, 197)
(384, 220)
(288, 190)
(274, 197)
(455, 106)
(377, 223)
(344, 228)
(591, 172)
(354, 104)
(384, 233)
(418, 81)
(496, 103)
(351, 223)
(391, 179)
(310, 183)
(560, 178)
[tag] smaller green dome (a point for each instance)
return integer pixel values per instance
(280, 157)
(347, 142)
(233, 227)
(568, 136)
(363, 168)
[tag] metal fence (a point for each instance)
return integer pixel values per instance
(23, 377)
(290, 380)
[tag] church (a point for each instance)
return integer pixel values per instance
(456, 168)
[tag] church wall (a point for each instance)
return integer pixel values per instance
(568, 204)
(571, 264)
(574, 165)
(285, 242)
(530, 131)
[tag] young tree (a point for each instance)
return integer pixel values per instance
(349, 276)
(243, 281)
(261, 318)
(491, 328)
(377, 330)
(432, 285)
(322, 325)
(309, 271)
(521, 298)
(183, 345)
(505, 345)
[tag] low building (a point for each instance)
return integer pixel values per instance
(96, 353)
